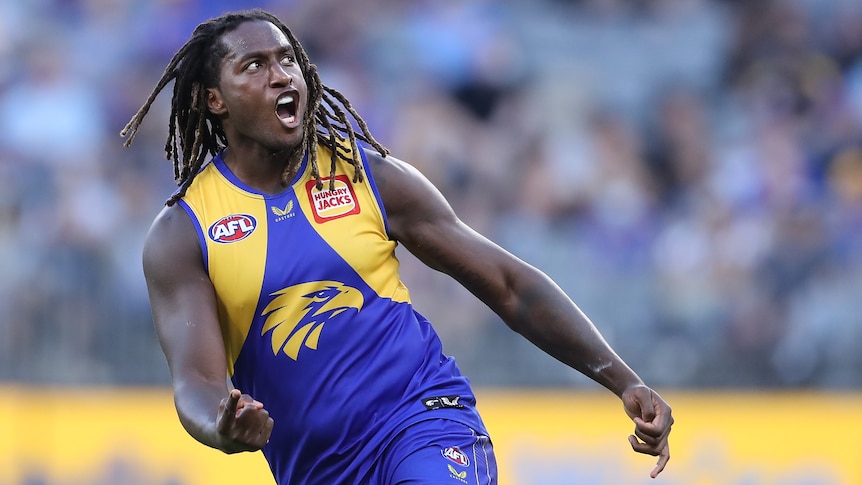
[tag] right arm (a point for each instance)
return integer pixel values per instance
(182, 300)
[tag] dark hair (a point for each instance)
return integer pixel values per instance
(194, 132)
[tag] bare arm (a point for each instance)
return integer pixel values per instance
(525, 298)
(185, 316)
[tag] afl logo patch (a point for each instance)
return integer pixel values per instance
(232, 228)
(454, 454)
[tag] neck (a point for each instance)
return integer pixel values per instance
(262, 170)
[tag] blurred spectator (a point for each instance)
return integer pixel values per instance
(690, 171)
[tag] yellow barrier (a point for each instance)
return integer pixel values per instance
(541, 437)
(734, 438)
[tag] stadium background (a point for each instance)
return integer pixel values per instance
(689, 171)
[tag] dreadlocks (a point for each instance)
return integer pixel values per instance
(194, 132)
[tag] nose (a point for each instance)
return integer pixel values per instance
(279, 76)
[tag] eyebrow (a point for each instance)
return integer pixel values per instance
(288, 48)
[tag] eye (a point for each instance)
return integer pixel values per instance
(287, 60)
(253, 66)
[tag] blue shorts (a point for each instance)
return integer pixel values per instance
(438, 452)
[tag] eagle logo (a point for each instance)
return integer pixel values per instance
(293, 327)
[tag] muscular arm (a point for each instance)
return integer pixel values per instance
(526, 299)
(184, 311)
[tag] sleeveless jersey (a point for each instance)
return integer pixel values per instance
(316, 322)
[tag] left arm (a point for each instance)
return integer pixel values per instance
(526, 299)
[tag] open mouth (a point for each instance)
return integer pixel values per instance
(285, 108)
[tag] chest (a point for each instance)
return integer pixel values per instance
(303, 234)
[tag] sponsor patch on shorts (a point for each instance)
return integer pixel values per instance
(438, 402)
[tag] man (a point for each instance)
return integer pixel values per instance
(281, 274)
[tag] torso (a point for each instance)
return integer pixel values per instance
(316, 322)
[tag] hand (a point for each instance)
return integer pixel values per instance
(243, 424)
(653, 420)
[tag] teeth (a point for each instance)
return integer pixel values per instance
(289, 101)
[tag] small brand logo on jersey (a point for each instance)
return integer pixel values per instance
(437, 402)
(282, 214)
(455, 455)
(460, 476)
(296, 315)
(328, 204)
(232, 228)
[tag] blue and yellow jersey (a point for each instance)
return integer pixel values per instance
(317, 324)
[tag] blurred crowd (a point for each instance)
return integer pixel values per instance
(689, 171)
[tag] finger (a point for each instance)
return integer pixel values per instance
(229, 410)
(663, 458)
(654, 442)
(652, 432)
(257, 425)
(232, 403)
(662, 420)
(246, 400)
(647, 405)
(650, 447)
(267, 430)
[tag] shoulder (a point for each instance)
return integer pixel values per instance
(171, 238)
(409, 198)
(396, 178)
(171, 220)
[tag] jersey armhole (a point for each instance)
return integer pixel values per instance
(369, 177)
(202, 242)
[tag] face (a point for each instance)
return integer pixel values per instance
(261, 95)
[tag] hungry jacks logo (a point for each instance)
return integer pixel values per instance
(294, 325)
(327, 205)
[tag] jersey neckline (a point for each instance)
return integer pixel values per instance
(221, 166)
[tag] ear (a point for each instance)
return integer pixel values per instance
(215, 103)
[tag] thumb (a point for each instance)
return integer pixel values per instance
(647, 408)
(639, 403)
(232, 401)
(228, 410)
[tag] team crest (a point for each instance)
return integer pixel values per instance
(327, 205)
(296, 315)
(232, 228)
